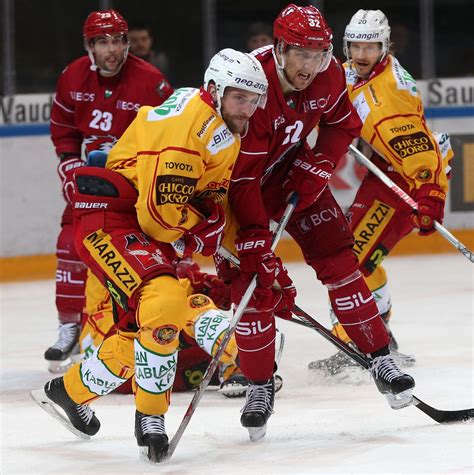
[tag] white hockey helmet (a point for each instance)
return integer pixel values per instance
(369, 26)
(231, 68)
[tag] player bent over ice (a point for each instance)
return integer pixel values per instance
(201, 334)
(307, 88)
(166, 179)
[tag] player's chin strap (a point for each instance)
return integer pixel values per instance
(363, 160)
(228, 334)
(94, 67)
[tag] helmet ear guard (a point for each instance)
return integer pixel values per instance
(367, 26)
(231, 68)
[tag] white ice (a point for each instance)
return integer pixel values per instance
(318, 426)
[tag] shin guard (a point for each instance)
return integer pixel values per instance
(355, 308)
(255, 336)
(70, 278)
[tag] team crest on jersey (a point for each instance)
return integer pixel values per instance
(198, 301)
(104, 143)
(165, 334)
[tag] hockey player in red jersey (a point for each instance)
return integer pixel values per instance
(306, 88)
(97, 97)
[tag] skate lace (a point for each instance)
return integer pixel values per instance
(384, 367)
(153, 425)
(259, 398)
(67, 336)
(85, 412)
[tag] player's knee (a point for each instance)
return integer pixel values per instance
(163, 301)
(335, 267)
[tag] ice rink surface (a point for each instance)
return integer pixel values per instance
(319, 426)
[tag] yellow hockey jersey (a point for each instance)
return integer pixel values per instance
(174, 154)
(391, 110)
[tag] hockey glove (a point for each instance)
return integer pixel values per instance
(211, 286)
(202, 283)
(308, 176)
(279, 299)
(66, 168)
(287, 292)
(256, 255)
(205, 238)
(430, 198)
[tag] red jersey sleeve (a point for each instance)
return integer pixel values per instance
(340, 123)
(64, 133)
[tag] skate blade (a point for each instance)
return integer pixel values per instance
(233, 390)
(61, 366)
(43, 401)
(400, 400)
(257, 433)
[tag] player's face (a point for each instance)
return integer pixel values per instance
(237, 106)
(140, 42)
(365, 56)
(109, 53)
(302, 65)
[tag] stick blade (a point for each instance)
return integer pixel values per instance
(444, 417)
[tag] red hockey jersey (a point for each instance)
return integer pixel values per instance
(95, 110)
(282, 125)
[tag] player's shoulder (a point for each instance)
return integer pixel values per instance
(399, 77)
(80, 65)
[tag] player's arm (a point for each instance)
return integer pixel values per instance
(65, 135)
(427, 171)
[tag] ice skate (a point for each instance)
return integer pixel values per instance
(65, 352)
(151, 437)
(77, 418)
(258, 408)
(391, 382)
(237, 384)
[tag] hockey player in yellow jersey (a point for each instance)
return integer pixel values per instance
(165, 180)
(397, 139)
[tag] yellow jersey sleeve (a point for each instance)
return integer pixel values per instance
(174, 154)
(394, 125)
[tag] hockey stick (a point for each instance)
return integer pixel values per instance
(436, 414)
(363, 160)
(232, 325)
(306, 320)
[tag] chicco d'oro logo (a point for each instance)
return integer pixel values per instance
(174, 189)
(407, 145)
